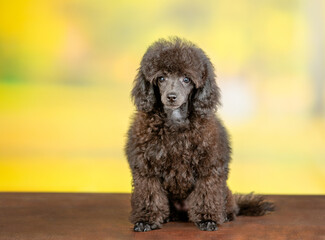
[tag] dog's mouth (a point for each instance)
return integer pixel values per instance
(172, 106)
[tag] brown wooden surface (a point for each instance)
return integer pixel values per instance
(105, 216)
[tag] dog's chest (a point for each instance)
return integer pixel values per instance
(177, 169)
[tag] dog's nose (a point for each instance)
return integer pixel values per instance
(171, 97)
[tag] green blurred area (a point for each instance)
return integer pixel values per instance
(66, 72)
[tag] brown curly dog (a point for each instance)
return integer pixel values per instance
(177, 149)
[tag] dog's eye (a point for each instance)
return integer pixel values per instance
(161, 79)
(186, 80)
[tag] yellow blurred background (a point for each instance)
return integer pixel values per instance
(66, 72)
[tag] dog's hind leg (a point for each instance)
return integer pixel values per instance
(232, 208)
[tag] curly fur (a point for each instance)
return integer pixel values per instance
(180, 171)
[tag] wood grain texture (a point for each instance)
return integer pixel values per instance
(105, 216)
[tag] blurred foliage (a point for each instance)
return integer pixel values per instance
(66, 72)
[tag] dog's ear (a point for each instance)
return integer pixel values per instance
(206, 97)
(143, 94)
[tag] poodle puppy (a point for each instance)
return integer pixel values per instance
(177, 148)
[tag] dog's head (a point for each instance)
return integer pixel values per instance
(174, 72)
(174, 89)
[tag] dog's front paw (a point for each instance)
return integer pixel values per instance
(144, 227)
(207, 225)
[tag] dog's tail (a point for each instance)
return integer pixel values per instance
(253, 205)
